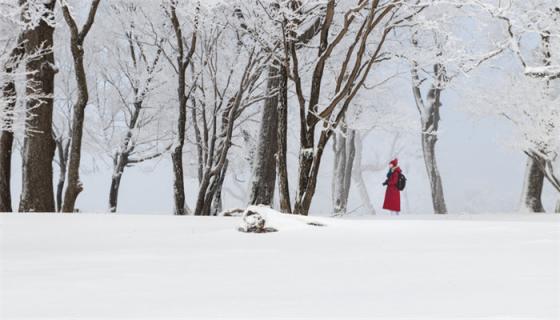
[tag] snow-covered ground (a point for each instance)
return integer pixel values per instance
(147, 266)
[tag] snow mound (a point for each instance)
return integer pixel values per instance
(261, 219)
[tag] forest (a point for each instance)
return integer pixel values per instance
(268, 101)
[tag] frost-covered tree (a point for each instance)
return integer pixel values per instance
(184, 17)
(438, 53)
(135, 130)
(354, 34)
(529, 97)
(271, 150)
(229, 68)
(38, 147)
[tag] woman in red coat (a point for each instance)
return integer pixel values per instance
(392, 194)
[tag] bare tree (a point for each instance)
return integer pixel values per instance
(430, 117)
(431, 77)
(137, 67)
(227, 86)
(183, 59)
(351, 73)
(62, 118)
(77, 38)
(272, 144)
(531, 108)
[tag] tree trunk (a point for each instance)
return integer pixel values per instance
(212, 179)
(309, 169)
(217, 205)
(429, 117)
(357, 175)
(7, 136)
(306, 154)
(177, 154)
(178, 182)
(62, 148)
(532, 187)
(428, 148)
(6, 142)
(120, 162)
(344, 150)
(74, 186)
(282, 152)
(38, 147)
(60, 190)
(264, 165)
(114, 191)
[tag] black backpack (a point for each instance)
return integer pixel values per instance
(401, 183)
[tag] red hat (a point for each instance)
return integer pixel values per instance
(394, 162)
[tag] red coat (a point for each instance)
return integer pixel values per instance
(392, 194)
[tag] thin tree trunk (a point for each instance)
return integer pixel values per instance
(264, 165)
(305, 162)
(177, 154)
(198, 137)
(201, 198)
(344, 150)
(60, 190)
(62, 148)
(183, 62)
(74, 185)
(338, 148)
(6, 143)
(532, 187)
(282, 152)
(114, 191)
(309, 170)
(357, 175)
(120, 162)
(38, 146)
(217, 205)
